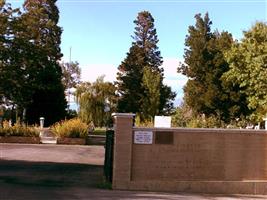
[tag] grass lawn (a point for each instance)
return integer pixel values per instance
(99, 131)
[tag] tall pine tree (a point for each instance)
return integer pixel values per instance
(48, 99)
(196, 65)
(129, 81)
(204, 65)
(143, 53)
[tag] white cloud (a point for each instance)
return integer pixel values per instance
(92, 71)
(176, 81)
(173, 79)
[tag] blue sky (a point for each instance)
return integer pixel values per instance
(99, 32)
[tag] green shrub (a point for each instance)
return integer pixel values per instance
(143, 123)
(99, 131)
(205, 122)
(182, 116)
(19, 130)
(2, 132)
(73, 128)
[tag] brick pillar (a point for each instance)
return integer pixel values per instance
(123, 127)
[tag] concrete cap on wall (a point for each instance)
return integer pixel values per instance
(127, 115)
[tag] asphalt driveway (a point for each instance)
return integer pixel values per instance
(69, 172)
(78, 154)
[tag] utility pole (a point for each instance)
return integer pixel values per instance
(70, 54)
(69, 93)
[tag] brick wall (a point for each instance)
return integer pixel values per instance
(193, 160)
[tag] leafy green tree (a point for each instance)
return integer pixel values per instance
(96, 102)
(151, 84)
(5, 14)
(71, 74)
(204, 65)
(30, 78)
(15, 79)
(71, 78)
(182, 116)
(247, 61)
(143, 53)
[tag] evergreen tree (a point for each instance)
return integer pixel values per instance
(145, 37)
(228, 102)
(204, 65)
(195, 65)
(48, 99)
(143, 53)
(129, 81)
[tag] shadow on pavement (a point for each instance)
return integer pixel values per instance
(49, 180)
(49, 173)
(46, 180)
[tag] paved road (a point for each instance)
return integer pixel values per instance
(69, 172)
(81, 154)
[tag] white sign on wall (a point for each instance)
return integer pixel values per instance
(143, 137)
(162, 121)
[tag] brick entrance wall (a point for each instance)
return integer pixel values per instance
(190, 160)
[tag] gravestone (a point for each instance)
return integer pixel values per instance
(162, 122)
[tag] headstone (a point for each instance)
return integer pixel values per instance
(41, 126)
(42, 122)
(162, 122)
(265, 119)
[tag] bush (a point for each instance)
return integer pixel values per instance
(182, 116)
(143, 123)
(205, 122)
(18, 130)
(99, 131)
(73, 128)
